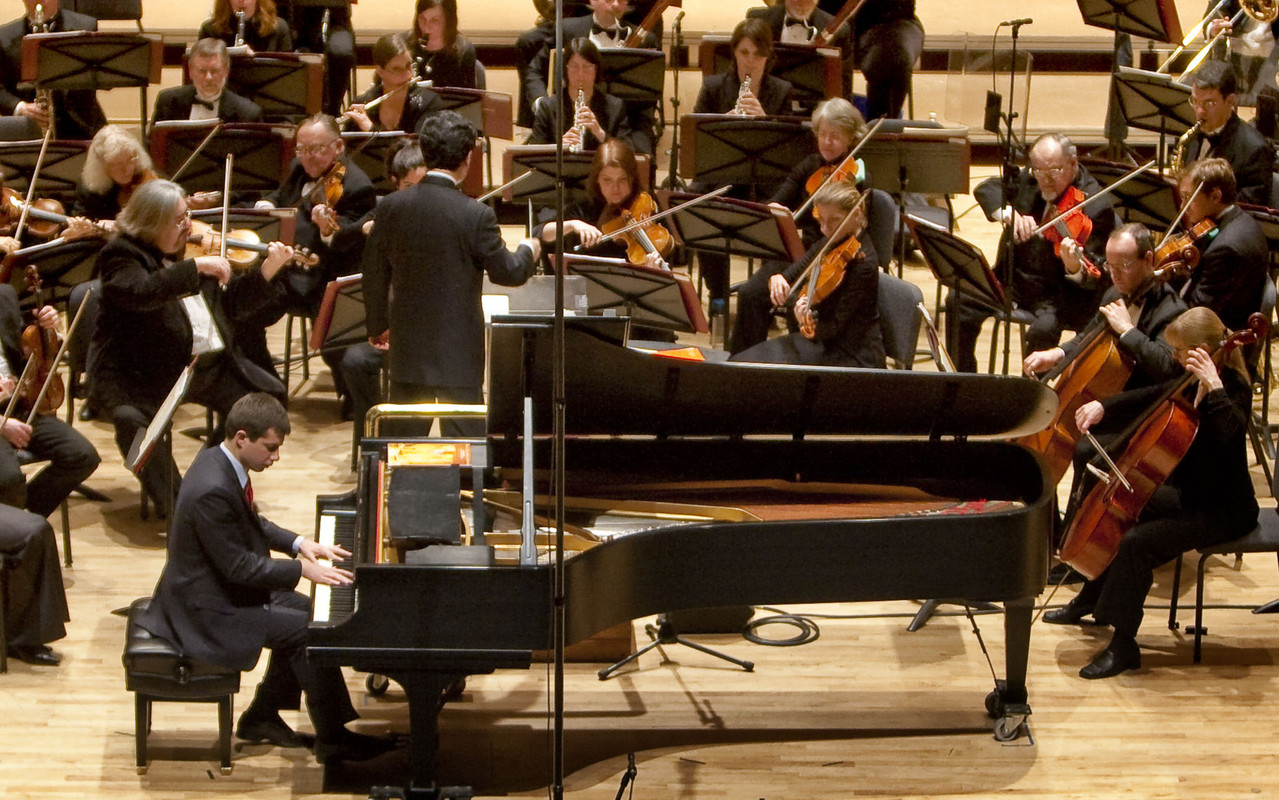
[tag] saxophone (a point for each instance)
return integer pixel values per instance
(742, 91)
(1179, 150)
(581, 129)
(239, 29)
(44, 97)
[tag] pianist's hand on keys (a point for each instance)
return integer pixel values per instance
(313, 553)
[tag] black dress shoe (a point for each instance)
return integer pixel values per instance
(1070, 614)
(1063, 573)
(38, 655)
(87, 413)
(272, 731)
(1116, 658)
(353, 747)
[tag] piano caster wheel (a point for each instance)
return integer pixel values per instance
(142, 770)
(377, 685)
(225, 770)
(1010, 728)
(995, 700)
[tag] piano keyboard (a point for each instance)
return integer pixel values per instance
(334, 603)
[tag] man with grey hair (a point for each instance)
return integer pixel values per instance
(206, 96)
(1058, 284)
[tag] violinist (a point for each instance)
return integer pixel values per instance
(612, 189)
(845, 322)
(1208, 499)
(76, 112)
(1234, 258)
(1220, 133)
(589, 115)
(72, 458)
(1057, 282)
(206, 96)
(440, 54)
(331, 232)
(146, 332)
(403, 102)
(115, 165)
(263, 31)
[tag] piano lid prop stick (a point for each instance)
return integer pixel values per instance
(528, 530)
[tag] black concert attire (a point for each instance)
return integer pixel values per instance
(592, 213)
(336, 40)
(718, 95)
(781, 23)
(1207, 500)
(277, 40)
(423, 275)
(76, 113)
(609, 111)
(72, 458)
(1233, 268)
(420, 102)
(36, 604)
(1251, 157)
(143, 341)
(221, 597)
(448, 66)
(887, 41)
(847, 321)
(1038, 282)
(176, 104)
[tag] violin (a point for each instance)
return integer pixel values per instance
(829, 173)
(644, 238)
(243, 247)
(1154, 450)
(1180, 254)
(40, 346)
(47, 213)
(125, 192)
(328, 189)
(1070, 222)
(826, 279)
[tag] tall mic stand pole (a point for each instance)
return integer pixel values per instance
(677, 49)
(559, 616)
(1008, 184)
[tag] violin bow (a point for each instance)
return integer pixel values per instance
(1112, 187)
(31, 187)
(1180, 215)
(809, 274)
(663, 214)
(198, 149)
(226, 201)
(57, 361)
(17, 390)
(852, 154)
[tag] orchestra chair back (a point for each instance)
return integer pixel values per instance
(899, 319)
(1259, 363)
(1262, 539)
(882, 225)
(130, 10)
(157, 671)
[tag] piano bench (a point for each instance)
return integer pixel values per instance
(156, 671)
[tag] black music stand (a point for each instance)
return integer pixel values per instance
(813, 73)
(734, 227)
(341, 321)
(368, 150)
(287, 86)
(62, 264)
(655, 298)
(93, 60)
(489, 112)
(59, 175)
(262, 154)
(634, 74)
(1149, 19)
(1148, 198)
(540, 190)
(757, 153)
(1152, 101)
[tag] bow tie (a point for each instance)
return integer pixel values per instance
(212, 105)
(792, 21)
(616, 31)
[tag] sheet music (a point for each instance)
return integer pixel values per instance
(205, 337)
(144, 441)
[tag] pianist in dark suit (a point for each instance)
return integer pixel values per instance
(222, 597)
(845, 321)
(206, 96)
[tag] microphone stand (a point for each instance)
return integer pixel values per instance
(1010, 148)
(677, 48)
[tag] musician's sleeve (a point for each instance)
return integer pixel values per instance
(503, 267)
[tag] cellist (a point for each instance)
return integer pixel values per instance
(845, 323)
(1208, 499)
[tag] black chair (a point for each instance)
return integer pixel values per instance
(899, 319)
(157, 671)
(4, 613)
(130, 10)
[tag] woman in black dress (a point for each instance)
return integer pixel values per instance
(440, 54)
(404, 103)
(264, 30)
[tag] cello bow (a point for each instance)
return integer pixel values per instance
(845, 13)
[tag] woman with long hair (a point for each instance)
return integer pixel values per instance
(263, 30)
(403, 103)
(581, 125)
(440, 54)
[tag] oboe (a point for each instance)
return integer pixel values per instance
(742, 91)
(239, 29)
(43, 96)
(581, 129)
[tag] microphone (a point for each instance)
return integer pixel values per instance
(1016, 23)
(679, 17)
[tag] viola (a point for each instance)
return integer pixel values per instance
(243, 247)
(1180, 254)
(829, 173)
(1153, 451)
(644, 238)
(40, 345)
(826, 279)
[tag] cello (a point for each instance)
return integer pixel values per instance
(1157, 445)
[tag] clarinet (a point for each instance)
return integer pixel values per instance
(742, 91)
(239, 30)
(44, 97)
(581, 129)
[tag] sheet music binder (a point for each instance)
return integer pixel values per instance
(59, 175)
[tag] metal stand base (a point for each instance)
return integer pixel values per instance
(929, 608)
(663, 634)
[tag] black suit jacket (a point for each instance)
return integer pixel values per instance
(1249, 154)
(175, 104)
(77, 114)
(430, 250)
(217, 581)
(1232, 271)
(537, 76)
(1152, 358)
(452, 66)
(719, 94)
(279, 40)
(775, 16)
(609, 110)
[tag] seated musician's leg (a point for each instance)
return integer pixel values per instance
(888, 53)
(754, 308)
(339, 52)
(13, 484)
(160, 467)
(36, 603)
(361, 368)
(1044, 331)
(72, 459)
(964, 319)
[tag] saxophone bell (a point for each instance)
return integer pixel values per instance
(1178, 161)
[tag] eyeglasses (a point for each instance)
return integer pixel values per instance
(1206, 105)
(1120, 266)
(1051, 173)
(315, 149)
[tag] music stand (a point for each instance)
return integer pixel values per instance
(1152, 101)
(734, 227)
(1148, 198)
(62, 264)
(757, 153)
(287, 86)
(262, 154)
(540, 159)
(341, 321)
(160, 432)
(489, 112)
(368, 150)
(270, 224)
(814, 73)
(92, 60)
(59, 175)
(1149, 19)
(655, 298)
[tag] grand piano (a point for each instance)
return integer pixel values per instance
(796, 450)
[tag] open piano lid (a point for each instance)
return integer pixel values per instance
(616, 390)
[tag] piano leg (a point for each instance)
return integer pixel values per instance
(1008, 704)
(425, 693)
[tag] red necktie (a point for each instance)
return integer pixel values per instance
(248, 493)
